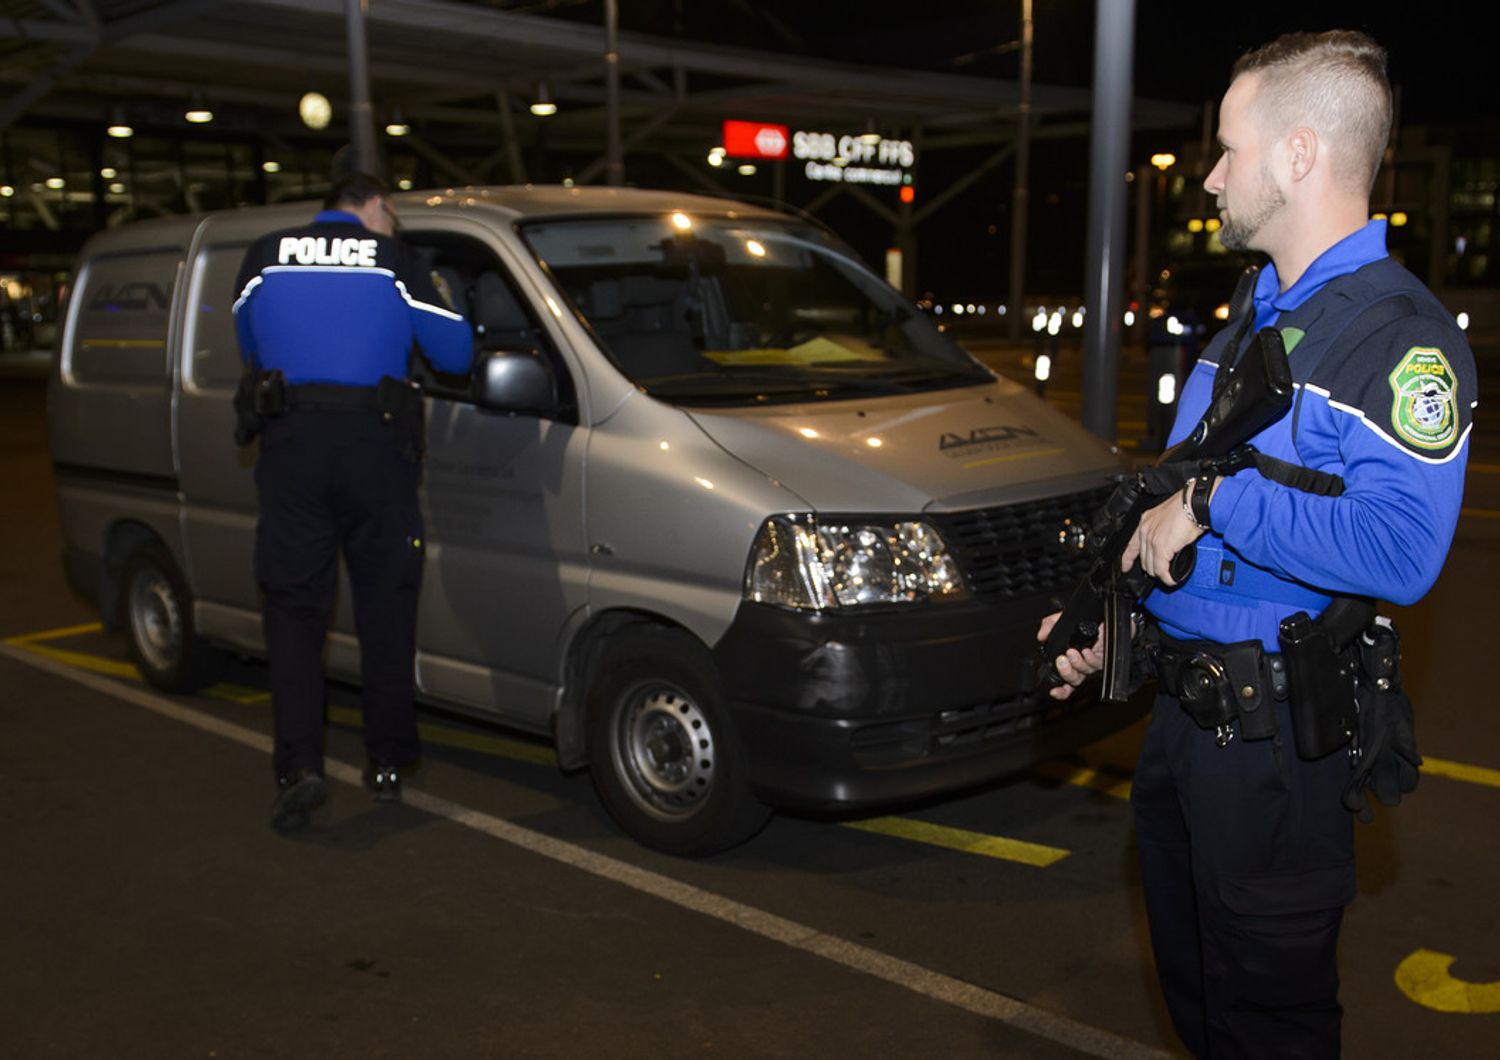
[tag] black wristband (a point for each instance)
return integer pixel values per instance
(1203, 488)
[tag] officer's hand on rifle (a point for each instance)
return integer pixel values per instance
(1074, 666)
(1164, 531)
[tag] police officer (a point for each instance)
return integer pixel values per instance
(1246, 847)
(326, 317)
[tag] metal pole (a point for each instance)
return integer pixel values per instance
(1142, 267)
(1019, 197)
(1109, 145)
(361, 114)
(614, 168)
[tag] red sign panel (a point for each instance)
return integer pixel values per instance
(755, 139)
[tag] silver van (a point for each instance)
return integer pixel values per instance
(719, 512)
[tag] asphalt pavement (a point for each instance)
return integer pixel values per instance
(149, 911)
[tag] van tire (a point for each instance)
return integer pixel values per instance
(158, 618)
(655, 693)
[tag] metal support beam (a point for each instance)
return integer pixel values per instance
(696, 175)
(361, 113)
(879, 208)
(614, 167)
(590, 172)
(440, 160)
(1020, 202)
(959, 186)
(1114, 43)
(18, 104)
(512, 146)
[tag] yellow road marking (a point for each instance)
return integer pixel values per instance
(939, 835)
(1479, 513)
(1442, 767)
(93, 663)
(1013, 456)
(54, 634)
(1085, 777)
(1424, 978)
(1485, 469)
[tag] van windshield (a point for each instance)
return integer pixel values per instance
(721, 311)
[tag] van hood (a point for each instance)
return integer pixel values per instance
(996, 443)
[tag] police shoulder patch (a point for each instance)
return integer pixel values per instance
(1424, 411)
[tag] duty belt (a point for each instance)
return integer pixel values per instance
(331, 396)
(1218, 684)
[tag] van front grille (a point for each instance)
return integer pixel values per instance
(1019, 550)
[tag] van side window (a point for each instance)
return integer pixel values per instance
(124, 310)
(484, 292)
(212, 352)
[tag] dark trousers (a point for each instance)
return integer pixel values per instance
(331, 479)
(1247, 862)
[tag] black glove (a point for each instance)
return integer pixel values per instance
(1388, 760)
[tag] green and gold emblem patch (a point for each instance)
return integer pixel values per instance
(1425, 409)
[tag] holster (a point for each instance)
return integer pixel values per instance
(1218, 684)
(259, 395)
(400, 405)
(1323, 664)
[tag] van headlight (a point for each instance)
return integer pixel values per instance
(806, 562)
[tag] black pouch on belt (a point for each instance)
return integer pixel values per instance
(1322, 670)
(400, 404)
(259, 395)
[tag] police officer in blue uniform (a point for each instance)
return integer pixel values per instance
(327, 316)
(1246, 846)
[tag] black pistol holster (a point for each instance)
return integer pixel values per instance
(1324, 666)
(400, 405)
(1220, 684)
(259, 396)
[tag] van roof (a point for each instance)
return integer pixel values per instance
(532, 201)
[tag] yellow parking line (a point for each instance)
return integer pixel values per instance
(1442, 767)
(54, 634)
(938, 835)
(93, 663)
(1086, 777)
(1424, 977)
(1479, 513)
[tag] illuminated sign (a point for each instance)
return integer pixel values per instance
(854, 159)
(754, 139)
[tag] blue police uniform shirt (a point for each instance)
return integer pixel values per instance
(1392, 419)
(334, 302)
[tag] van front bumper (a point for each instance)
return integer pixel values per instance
(839, 711)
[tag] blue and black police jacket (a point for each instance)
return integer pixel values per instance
(334, 302)
(1390, 415)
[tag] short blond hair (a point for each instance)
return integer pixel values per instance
(1334, 83)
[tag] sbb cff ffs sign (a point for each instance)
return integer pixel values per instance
(755, 139)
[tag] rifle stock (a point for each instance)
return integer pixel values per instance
(1254, 394)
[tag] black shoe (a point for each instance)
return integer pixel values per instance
(384, 781)
(297, 796)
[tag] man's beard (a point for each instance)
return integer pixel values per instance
(1238, 231)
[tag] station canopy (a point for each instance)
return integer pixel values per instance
(463, 76)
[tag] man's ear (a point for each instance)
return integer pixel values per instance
(1302, 151)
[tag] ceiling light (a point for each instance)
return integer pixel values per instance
(404, 184)
(271, 166)
(109, 173)
(6, 191)
(315, 110)
(117, 188)
(397, 125)
(870, 135)
(197, 111)
(542, 106)
(56, 183)
(118, 127)
(746, 170)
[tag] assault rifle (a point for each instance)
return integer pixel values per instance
(1247, 398)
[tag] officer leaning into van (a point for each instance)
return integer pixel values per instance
(326, 317)
(1244, 786)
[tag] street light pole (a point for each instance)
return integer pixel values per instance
(1019, 197)
(1109, 143)
(361, 113)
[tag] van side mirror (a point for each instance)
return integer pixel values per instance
(515, 381)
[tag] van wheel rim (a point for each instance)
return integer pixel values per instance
(664, 751)
(155, 620)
